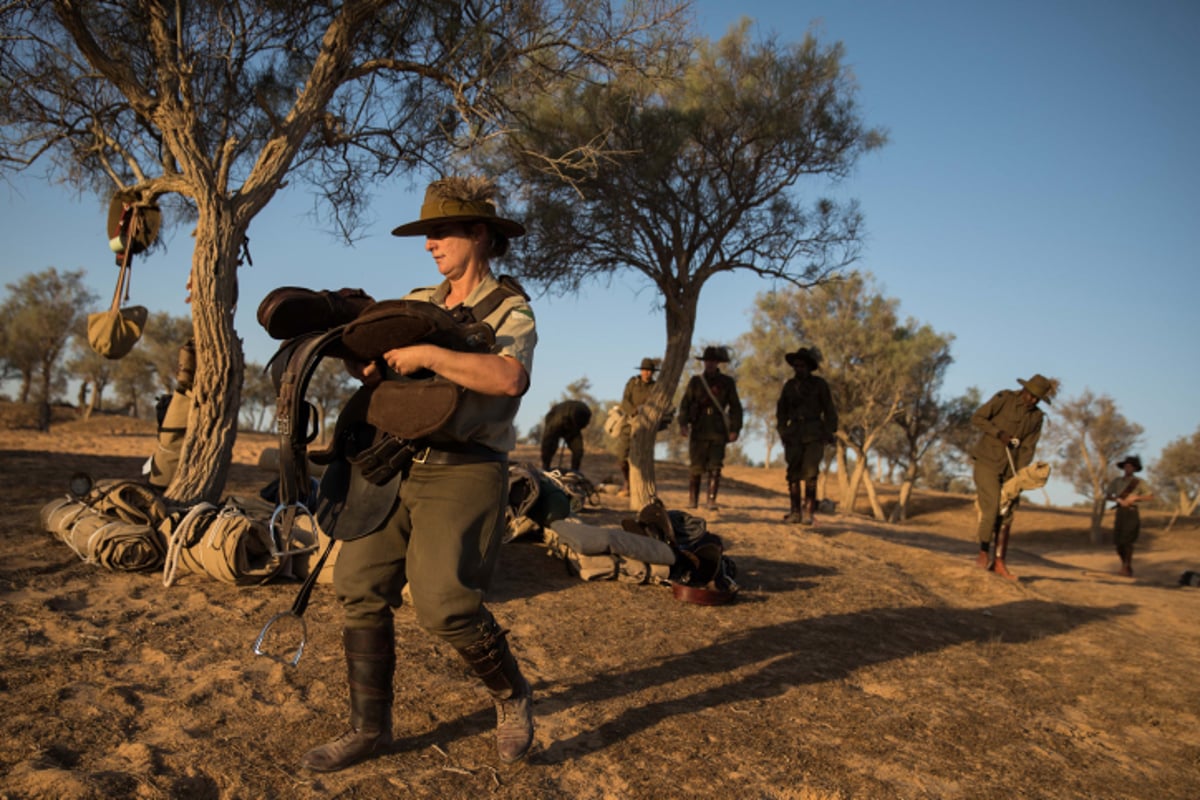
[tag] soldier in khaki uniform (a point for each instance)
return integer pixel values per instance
(443, 534)
(710, 416)
(637, 393)
(1011, 424)
(807, 420)
(565, 422)
(1127, 491)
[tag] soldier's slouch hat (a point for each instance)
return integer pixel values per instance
(711, 353)
(459, 199)
(1040, 386)
(809, 355)
(1134, 461)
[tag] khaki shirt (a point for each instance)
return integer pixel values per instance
(637, 392)
(488, 419)
(1118, 485)
(1006, 412)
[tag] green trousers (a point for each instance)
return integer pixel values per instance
(443, 539)
(705, 455)
(803, 460)
(988, 480)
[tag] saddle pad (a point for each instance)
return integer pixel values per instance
(595, 540)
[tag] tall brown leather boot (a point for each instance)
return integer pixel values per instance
(810, 508)
(714, 485)
(693, 491)
(371, 663)
(999, 566)
(493, 662)
(794, 498)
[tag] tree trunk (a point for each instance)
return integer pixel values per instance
(44, 413)
(1097, 531)
(856, 476)
(212, 425)
(876, 509)
(900, 512)
(843, 472)
(642, 484)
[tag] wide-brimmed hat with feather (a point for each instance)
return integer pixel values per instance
(459, 199)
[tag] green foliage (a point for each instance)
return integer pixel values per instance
(707, 146)
(1090, 435)
(214, 106)
(89, 367)
(36, 321)
(709, 151)
(1176, 474)
(884, 373)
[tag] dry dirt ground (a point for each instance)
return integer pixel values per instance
(861, 660)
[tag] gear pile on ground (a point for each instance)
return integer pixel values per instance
(127, 526)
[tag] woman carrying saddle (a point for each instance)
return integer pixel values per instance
(443, 534)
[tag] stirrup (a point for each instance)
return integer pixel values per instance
(262, 636)
(278, 544)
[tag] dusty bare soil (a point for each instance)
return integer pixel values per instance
(861, 660)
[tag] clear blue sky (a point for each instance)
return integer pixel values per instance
(1037, 200)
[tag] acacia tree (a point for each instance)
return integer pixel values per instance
(922, 416)
(36, 321)
(948, 461)
(711, 148)
(218, 103)
(92, 370)
(165, 334)
(763, 370)
(1091, 436)
(1177, 473)
(861, 345)
(258, 397)
(869, 359)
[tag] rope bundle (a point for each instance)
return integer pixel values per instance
(125, 526)
(107, 540)
(222, 543)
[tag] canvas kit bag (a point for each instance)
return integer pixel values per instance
(133, 227)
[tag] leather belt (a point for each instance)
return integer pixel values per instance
(454, 453)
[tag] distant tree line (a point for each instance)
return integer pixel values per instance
(886, 375)
(44, 351)
(897, 427)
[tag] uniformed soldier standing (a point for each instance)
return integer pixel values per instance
(710, 415)
(444, 531)
(565, 421)
(807, 420)
(1127, 491)
(637, 393)
(1011, 424)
